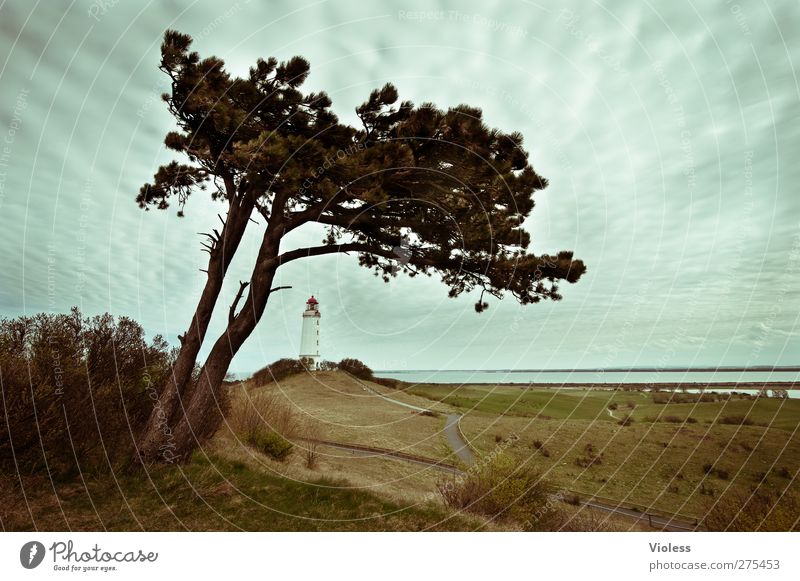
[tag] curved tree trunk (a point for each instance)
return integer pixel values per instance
(155, 441)
(206, 404)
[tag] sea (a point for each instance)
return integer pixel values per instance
(688, 379)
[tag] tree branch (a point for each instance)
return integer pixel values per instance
(298, 253)
(232, 311)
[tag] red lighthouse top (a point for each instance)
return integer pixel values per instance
(312, 301)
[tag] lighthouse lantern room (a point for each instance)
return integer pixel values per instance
(309, 338)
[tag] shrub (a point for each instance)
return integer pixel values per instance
(707, 468)
(278, 371)
(356, 368)
(537, 444)
(626, 421)
(783, 472)
(498, 438)
(264, 412)
(312, 435)
(588, 461)
(328, 366)
(708, 490)
(545, 452)
(76, 391)
(272, 444)
(504, 490)
(737, 420)
(613, 406)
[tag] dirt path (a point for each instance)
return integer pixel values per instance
(453, 434)
(370, 452)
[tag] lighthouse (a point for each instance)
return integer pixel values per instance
(309, 338)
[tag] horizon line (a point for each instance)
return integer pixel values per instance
(613, 369)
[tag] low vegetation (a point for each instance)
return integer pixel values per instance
(212, 494)
(761, 508)
(76, 392)
(504, 490)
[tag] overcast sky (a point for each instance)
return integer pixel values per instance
(669, 131)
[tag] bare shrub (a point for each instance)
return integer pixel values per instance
(590, 521)
(311, 436)
(253, 414)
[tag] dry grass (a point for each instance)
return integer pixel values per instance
(658, 465)
(331, 406)
(346, 412)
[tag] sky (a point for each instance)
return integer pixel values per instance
(669, 132)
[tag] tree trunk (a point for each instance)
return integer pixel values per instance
(155, 441)
(206, 404)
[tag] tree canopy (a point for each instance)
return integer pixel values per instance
(415, 189)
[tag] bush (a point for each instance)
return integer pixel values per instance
(626, 421)
(783, 472)
(613, 406)
(76, 391)
(278, 371)
(707, 468)
(737, 420)
(502, 489)
(272, 444)
(251, 415)
(356, 368)
(537, 444)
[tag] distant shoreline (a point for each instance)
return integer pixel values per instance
(602, 370)
(702, 386)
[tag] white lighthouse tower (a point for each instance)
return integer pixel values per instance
(309, 338)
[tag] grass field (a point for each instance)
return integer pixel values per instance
(214, 494)
(592, 404)
(659, 460)
(573, 438)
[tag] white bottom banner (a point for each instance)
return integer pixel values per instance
(401, 556)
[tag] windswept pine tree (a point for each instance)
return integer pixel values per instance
(415, 189)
